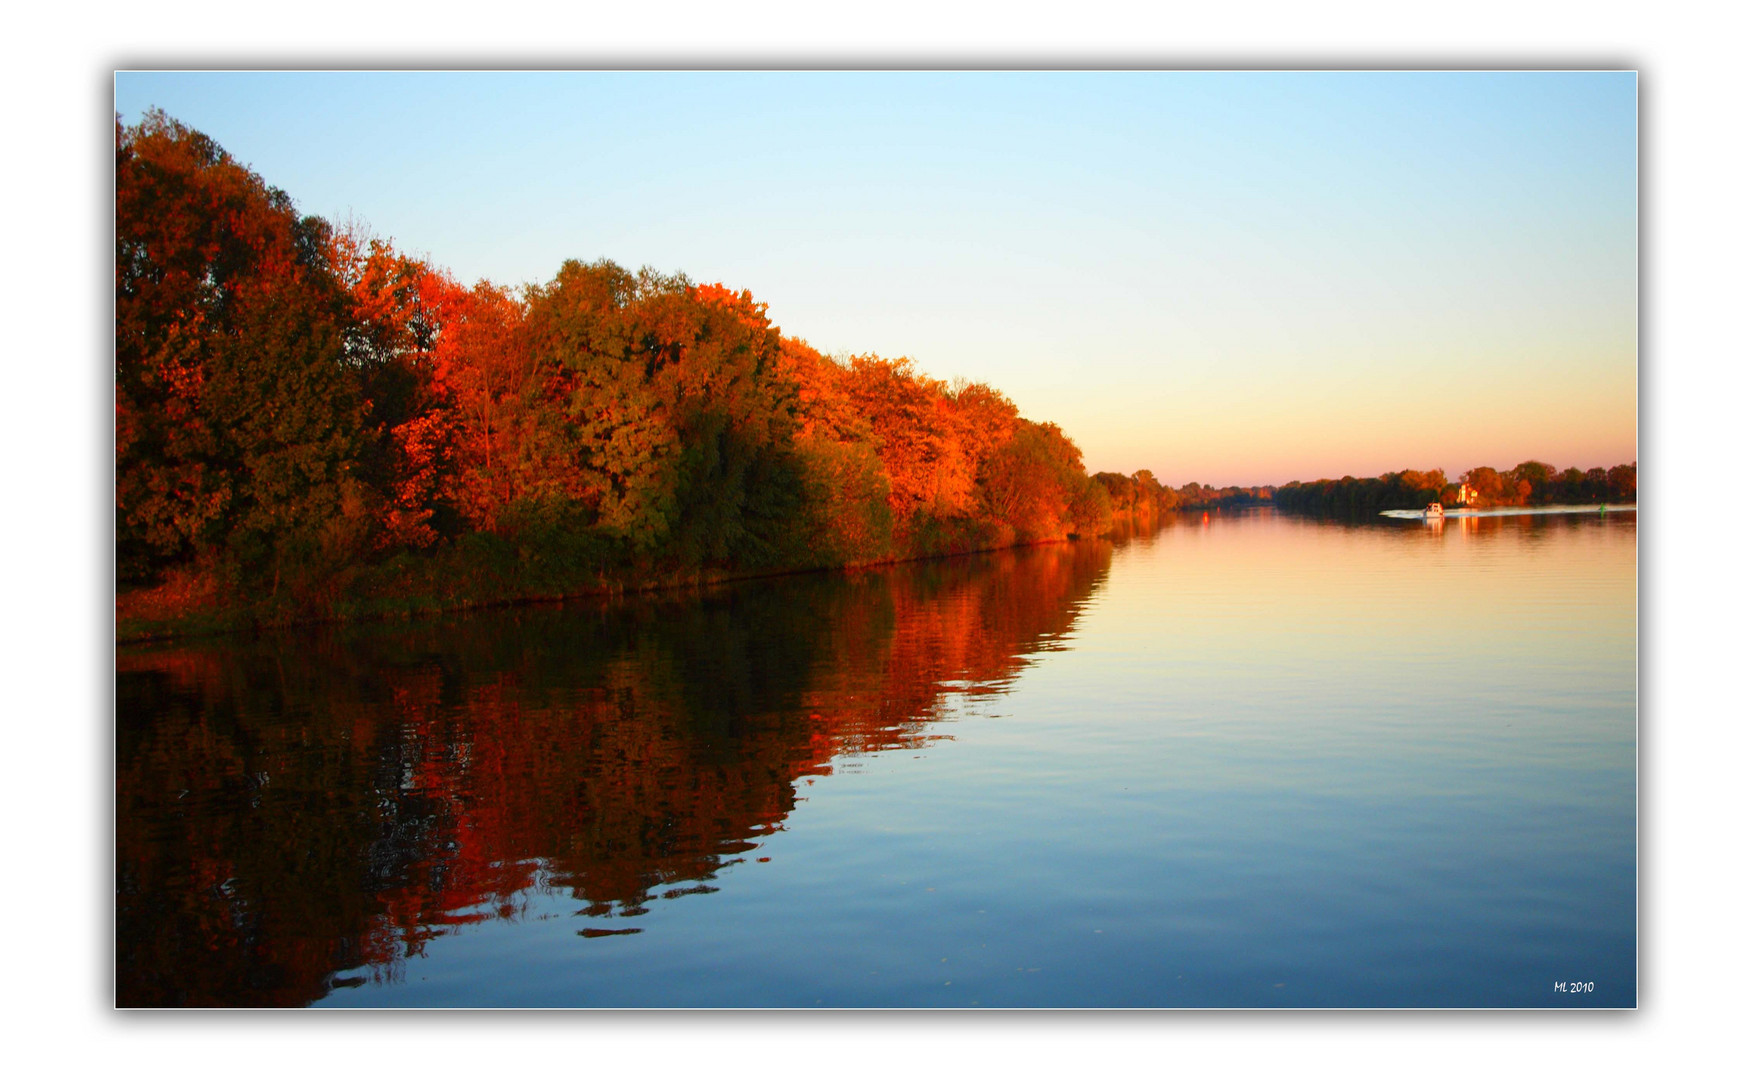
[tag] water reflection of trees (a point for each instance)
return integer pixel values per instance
(289, 808)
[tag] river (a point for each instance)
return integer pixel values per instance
(1249, 761)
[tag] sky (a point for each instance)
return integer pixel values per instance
(1224, 277)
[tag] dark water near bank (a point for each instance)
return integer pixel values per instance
(1255, 762)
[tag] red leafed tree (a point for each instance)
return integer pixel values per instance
(238, 419)
(397, 316)
(481, 361)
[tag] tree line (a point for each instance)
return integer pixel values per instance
(306, 415)
(1141, 497)
(1531, 483)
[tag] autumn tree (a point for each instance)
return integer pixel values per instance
(1621, 482)
(670, 427)
(910, 422)
(738, 487)
(391, 338)
(1487, 482)
(486, 373)
(846, 488)
(237, 422)
(1035, 487)
(1537, 476)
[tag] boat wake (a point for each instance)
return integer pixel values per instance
(1513, 511)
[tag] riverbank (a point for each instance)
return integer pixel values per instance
(479, 575)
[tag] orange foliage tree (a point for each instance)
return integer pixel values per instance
(295, 396)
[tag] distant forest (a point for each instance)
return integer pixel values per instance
(1531, 483)
(1141, 496)
(311, 423)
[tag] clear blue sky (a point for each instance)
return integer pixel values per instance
(1225, 277)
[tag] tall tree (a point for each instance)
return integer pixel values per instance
(675, 419)
(396, 317)
(237, 421)
(488, 374)
(846, 489)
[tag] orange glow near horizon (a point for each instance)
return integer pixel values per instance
(1284, 435)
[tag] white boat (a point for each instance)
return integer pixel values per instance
(1433, 510)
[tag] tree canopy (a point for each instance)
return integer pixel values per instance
(296, 400)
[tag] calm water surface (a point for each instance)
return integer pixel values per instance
(1257, 762)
